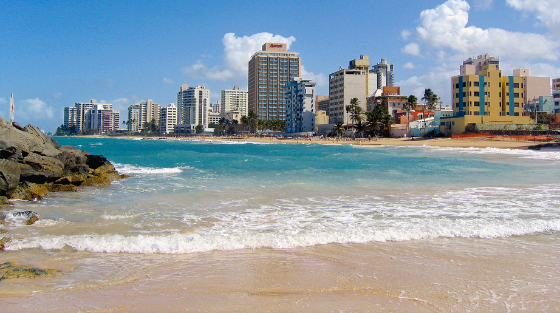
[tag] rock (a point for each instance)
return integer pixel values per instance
(97, 181)
(10, 270)
(43, 169)
(29, 191)
(63, 188)
(23, 217)
(3, 243)
(9, 175)
(95, 161)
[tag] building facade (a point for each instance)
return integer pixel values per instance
(70, 117)
(300, 106)
(193, 106)
(91, 116)
(485, 98)
(533, 87)
(269, 71)
(168, 119)
(384, 75)
(345, 85)
(234, 100)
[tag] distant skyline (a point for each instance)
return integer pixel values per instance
(56, 53)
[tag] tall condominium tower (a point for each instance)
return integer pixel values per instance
(234, 100)
(192, 106)
(269, 71)
(385, 74)
(168, 118)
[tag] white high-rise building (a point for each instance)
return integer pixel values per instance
(234, 100)
(384, 73)
(192, 106)
(344, 85)
(70, 117)
(102, 118)
(300, 106)
(134, 118)
(168, 119)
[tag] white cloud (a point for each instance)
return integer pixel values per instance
(168, 81)
(319, 79)
(33, 110)
(483, 4)
(409, 65)
(3, 101)
(446, 27)
(57, 94)
(237, 52)
(405, 34)
(548, 11)
(412, 49)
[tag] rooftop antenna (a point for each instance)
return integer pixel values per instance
(12, 107)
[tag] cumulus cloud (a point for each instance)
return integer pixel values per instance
(409, 65)
(405, 34)
(237, 52)
(319, 79)
(547, 11)
(483, 4)
(31, 110)
(445, 26)
(168, 81)
(412, 49)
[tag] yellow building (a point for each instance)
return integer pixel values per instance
(485, 101)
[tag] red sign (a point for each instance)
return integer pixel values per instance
(276, 46)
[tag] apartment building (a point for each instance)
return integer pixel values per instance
(168, 119)
(193, 106)
(384, 75)
(234, 100)
(345, 85)
(300, 106)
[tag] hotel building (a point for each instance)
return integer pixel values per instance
(300, 106)
(384, 75)
(269, 71)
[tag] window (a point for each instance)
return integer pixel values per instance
(464, 84)
(476, 94)
(516, 95)
(476, 84)
(516, 85)
(476, 103)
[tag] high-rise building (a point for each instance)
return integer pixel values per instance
(192, 106)
(473, 66)
(134, 121)
(234, 100)
(269, 70)
(300, 106)
(344, 85)
(102, 118)
(168, 118)
(92, 115)
(70, 117)
(384, 75)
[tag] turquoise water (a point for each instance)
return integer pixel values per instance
(196, 196)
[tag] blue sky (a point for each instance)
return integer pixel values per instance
(55, 53)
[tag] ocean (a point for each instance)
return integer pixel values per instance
(213, 225)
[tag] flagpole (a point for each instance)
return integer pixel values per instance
(12, 108)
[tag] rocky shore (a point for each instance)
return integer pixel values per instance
(33, 165)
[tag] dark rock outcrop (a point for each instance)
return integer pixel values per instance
(32, 164)
(10, 270)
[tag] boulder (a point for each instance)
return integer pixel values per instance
(29, 191)
(9, 175)
(43, 169)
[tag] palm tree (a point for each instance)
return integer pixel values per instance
(253, 120)
(410, 104)
(339, 128)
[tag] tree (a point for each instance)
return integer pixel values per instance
(355, 111)
(339, 128)
(410, 104)
(253, 120)
(379, 121)
(199, 129)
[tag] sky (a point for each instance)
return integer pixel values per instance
(55, 53)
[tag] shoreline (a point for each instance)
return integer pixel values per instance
(505, 143)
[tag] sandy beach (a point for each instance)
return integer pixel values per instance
(505, 143)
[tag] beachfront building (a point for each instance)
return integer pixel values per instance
(485, 100)
(344, 85)
(300, 107)
(383, 73)
(193, 106)
(269, 71)
(91, 116)
(533, 87)
(102, 118)
(70, 117)
(235, 101)
(168, 119)
(133, 123)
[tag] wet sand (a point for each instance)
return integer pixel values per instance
(440, 275)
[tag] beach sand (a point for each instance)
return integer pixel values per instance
(505, 143)
(440, 275)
